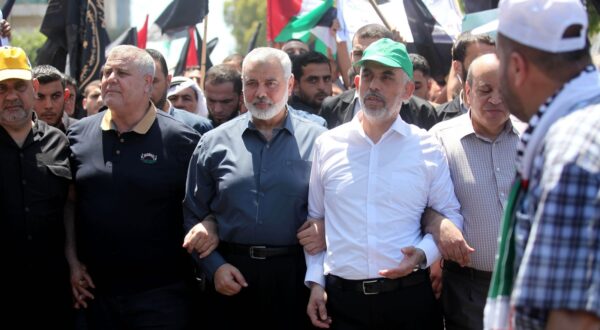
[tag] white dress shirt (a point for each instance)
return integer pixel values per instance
(372, 197)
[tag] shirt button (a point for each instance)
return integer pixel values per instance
(122, 140)
(118, 152)
(502, 194)
(29, 238)
(497, 169)
(23, 181)
(26, 209)
(268, 146)
(21, 155)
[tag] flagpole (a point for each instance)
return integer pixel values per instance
(203, 63)
(380, 14)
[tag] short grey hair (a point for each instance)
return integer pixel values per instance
(264, 55)
(141, 59)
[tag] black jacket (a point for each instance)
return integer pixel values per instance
(338, 110)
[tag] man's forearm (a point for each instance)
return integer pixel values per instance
(431, 222)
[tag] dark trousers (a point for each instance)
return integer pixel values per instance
(36, 301)
(168, 307)
(275, 298)
(463, 300)
(412, 307)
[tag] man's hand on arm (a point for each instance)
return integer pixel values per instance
(203, 238)
(229, 280)
(316, 309)
(311, 236)
(447, 236)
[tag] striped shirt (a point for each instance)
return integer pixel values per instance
(482, 171)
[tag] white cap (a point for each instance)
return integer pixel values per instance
(180, 83)
(541, 24)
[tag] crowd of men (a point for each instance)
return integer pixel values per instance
(279, 195)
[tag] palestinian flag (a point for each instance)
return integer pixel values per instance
(497, 313)
(299, 19)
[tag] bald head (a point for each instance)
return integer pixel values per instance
(489, 113)
(483, 63)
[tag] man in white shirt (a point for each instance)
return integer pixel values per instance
(371, 180)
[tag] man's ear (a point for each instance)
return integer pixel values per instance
(36, 85)
(468, 93)
(458, 70)
(168, 79)
(409, 89)
(291, 84)
(357, 81)
(148, 86)
(519, 68)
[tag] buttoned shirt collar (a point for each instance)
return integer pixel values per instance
(287, 122)
(141, 127)
(466, 127)
(399, 126)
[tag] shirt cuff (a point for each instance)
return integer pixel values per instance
(431, 251)
(211, 263)
(314, 269)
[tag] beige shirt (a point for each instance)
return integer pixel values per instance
(482, 172)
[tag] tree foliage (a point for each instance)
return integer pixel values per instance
(243, 16)
(30, 41)
(594, 19)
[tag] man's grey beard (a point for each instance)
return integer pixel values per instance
(379, 115)
(269, 113)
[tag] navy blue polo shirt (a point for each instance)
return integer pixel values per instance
(129, 191)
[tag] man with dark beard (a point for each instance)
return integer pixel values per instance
(312, 81)
(160, 86)
(551, 232)
(223, 92)
(51, 97)
(34, 179)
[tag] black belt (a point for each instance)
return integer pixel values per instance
(472, 273)
(259, 251)
(377, 285)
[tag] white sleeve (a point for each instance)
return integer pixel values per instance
(441, 191)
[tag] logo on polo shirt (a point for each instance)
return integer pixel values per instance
(148, 158)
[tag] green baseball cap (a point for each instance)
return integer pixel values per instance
(388, 53)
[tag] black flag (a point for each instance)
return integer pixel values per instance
(190, 58)
(422, 24)
(76, 28)
(473, 6)
(128, 37)
(181, 14)
(252, 43)
(94, 40)
(7, 8)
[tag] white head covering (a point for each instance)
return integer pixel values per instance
(540, 24)
(180, 83)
